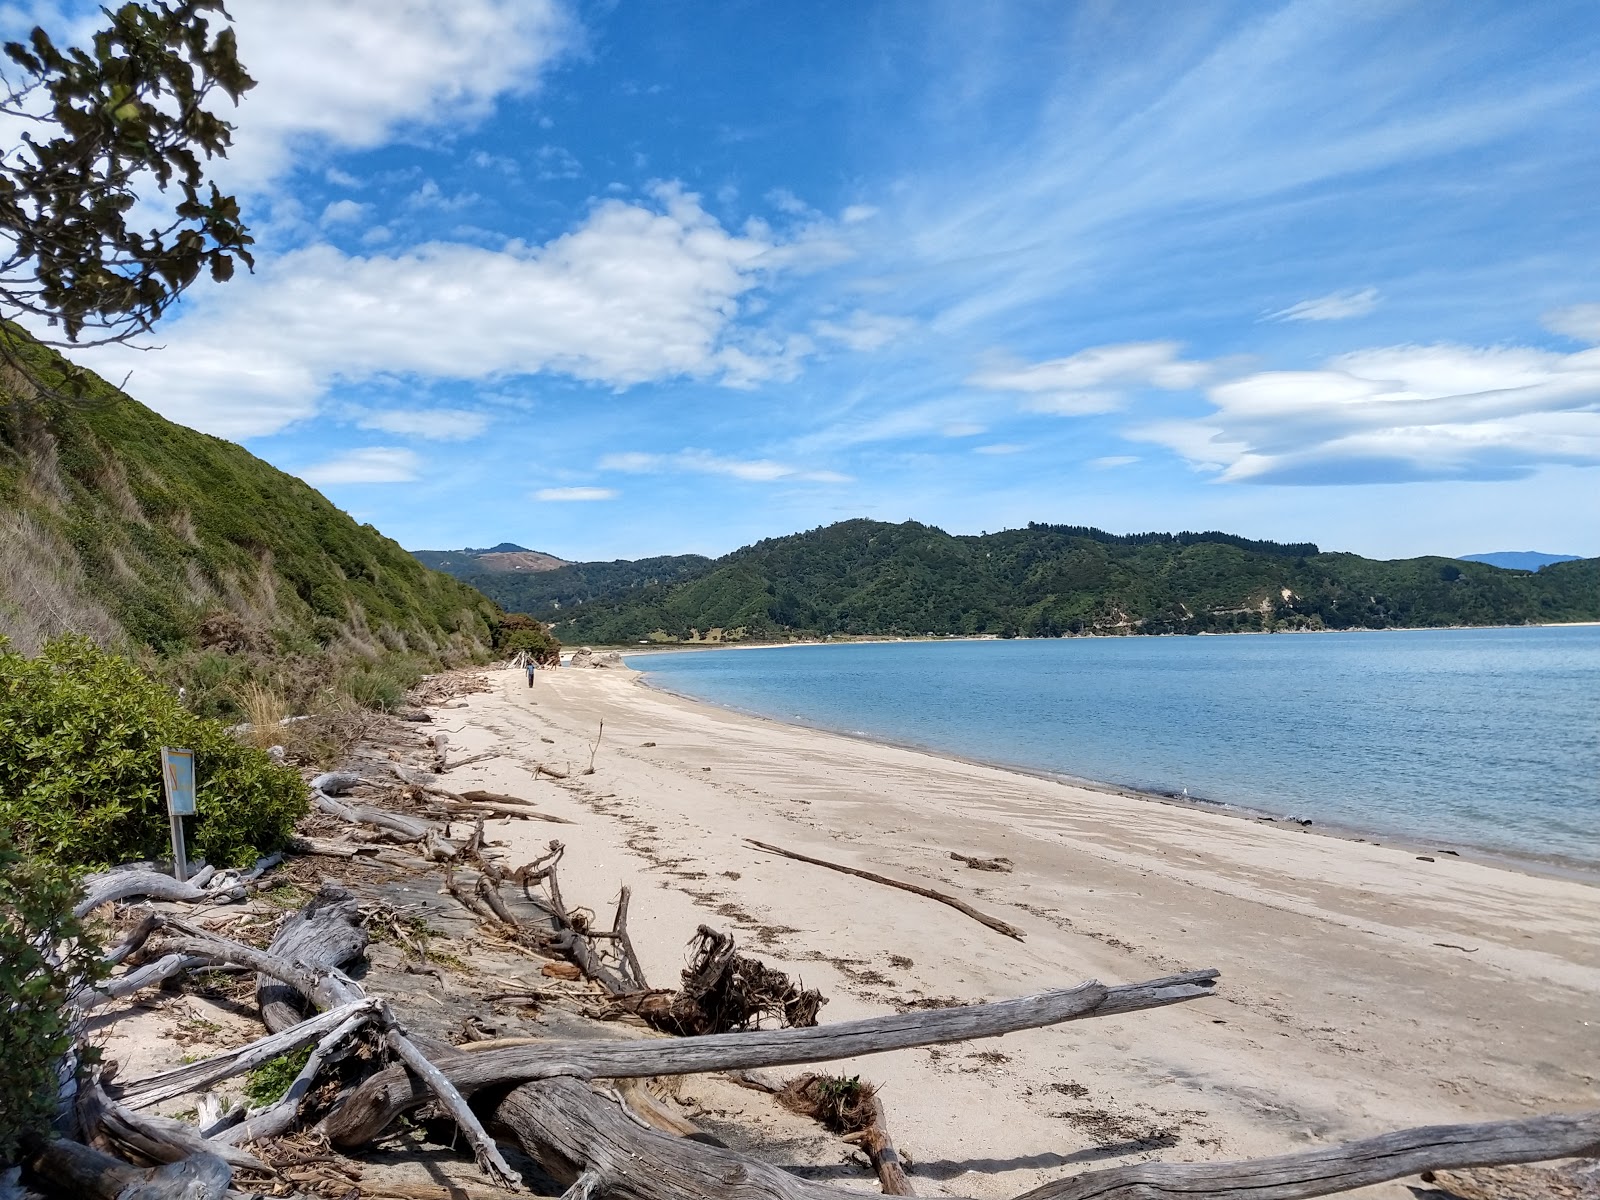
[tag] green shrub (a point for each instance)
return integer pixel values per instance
(517, 632)
(44, 952)
(80, 779)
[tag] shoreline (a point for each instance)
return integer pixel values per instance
(1554, 866)
(1361, 990)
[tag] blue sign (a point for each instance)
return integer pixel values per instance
(177, 773)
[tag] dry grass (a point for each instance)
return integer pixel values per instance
(264, 709)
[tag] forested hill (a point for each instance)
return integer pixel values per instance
(866, 577)
(549, 590)
(140, 533)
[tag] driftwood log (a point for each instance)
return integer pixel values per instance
(961, 906)
(389, 1093)
(81, 1171)
(574, 1134)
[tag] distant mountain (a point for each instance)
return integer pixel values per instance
(1519, 560)
(505, 558)
(866, 577)
(547, 591)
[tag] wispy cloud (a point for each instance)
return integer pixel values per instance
(863, 330)
(574, 495)
(435, 424)
(1398, 412)
(757, 470)
(371, 464)
(1094, 380)
(1110, 461)
(1336, 306)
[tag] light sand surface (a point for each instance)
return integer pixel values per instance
(1362, 989)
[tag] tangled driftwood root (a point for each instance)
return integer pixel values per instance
(724, 991)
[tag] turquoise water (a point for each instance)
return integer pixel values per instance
(1483, 737)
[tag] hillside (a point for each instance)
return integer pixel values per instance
(505, 558)
(865, 577)
(551, 590)
(140, 533)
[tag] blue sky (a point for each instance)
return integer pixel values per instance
(612, 280)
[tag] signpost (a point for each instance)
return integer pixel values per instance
(177, 775)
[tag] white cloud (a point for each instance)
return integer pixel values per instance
(1400, 412)
(636, 293)
(863, 330)
(962, 429)
(1093, 380)
(1336, 306)
(1580, 322)
(1110, 461)
(999, 448)
(344, 212)
(703, 462)
(570, 495)
(431, 196)
(436, 424)
(352, 75)
(856, 213)
(371, 464)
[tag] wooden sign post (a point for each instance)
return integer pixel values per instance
(177, 775)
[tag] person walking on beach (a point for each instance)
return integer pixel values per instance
(530, 665)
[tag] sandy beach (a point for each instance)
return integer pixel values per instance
(1362, 988)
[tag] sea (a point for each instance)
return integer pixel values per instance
(1484, 738)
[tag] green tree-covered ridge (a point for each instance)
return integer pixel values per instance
(576, 583)
(866, 577)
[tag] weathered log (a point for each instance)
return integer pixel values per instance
(73, 1169)
(408, 828)
(496, 808)
(124, 885)
(881, 1152)
(159, 1139)
(384, 1096)
(194, 1077)
(325, 933)
(1343, 1167)
(135, 939)
(334, 849)
(468, 761)
(279, 1117)
(961, 906)
(332, 907)
(489, 1158)
(573, 1135)
(136, 980)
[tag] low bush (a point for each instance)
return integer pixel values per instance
(517, 632)
(81, 731)
(44, 954)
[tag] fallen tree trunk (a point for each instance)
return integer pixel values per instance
(574, 1134)
(384, 1096)
(73, 1169)
(195, 1077)
(124, 885)
(324, 934)
(961, 906)
(408, 828)
(1343, 1167)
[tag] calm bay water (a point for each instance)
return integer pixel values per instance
(1487, 737)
